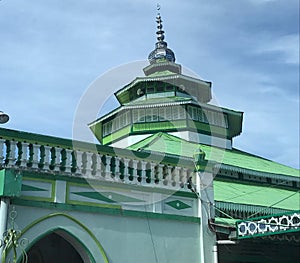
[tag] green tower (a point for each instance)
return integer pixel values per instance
(169, 101)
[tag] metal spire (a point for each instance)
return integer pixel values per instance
(161, 51)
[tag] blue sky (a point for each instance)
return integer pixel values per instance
(51, 52)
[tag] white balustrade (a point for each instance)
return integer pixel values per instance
(60, 160)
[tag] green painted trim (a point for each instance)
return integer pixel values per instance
(178, 204)
(74, 202)
(10, 182)
(112, 186)
(40, 179)
(29, 188)
(96, 183)
(37, 221)
(105, 210)
(116, 135)
(104, 196)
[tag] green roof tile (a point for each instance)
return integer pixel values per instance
(163, 142)
(249, 194)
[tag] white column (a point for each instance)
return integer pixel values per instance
(202, 220)
(215, 252)
(4, 203)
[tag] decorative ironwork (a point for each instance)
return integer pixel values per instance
(12, 240)
(268, 225)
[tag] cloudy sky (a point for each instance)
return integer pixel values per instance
(52, 51)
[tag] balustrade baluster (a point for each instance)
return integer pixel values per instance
(175, 175)
(57, 159)
(160, 174)
(78, 158)
(2, 157)
(68, 164)
(126, 169)
(134, 164)
(88, 167)
(98, 164)
(47, 157)
(143, 171)
(12, 153)
(35, 157)
(117, 167)
(151, 173)
(24, 156)
(107, 165)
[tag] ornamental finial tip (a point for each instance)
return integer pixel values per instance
(158, 7)
(161, 51)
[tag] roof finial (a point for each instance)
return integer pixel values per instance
(158, 8)
(161, 51)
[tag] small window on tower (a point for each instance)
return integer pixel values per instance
(169, 88)
(160, 87)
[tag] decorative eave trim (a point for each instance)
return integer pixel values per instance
(165, 104)
(231, 168)
(162, 78)
(249, 208)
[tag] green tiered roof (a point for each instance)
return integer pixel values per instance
(234, 157)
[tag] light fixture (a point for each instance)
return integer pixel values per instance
(3, 117)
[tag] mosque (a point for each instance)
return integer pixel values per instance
(164, 184)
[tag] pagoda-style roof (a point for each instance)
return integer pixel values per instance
(197, 88)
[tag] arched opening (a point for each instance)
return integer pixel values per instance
(57, 247)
